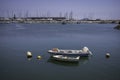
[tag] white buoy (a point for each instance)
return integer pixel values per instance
(107, 55)
(39, 57)
(29, 54)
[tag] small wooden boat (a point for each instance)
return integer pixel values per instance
(66, 58)
(84, 52)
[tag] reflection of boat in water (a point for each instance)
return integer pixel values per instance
(66, 58)
(82, 60)
(84, 52)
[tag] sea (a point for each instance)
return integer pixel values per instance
(16, 39)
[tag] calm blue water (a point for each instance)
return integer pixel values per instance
(17, 39)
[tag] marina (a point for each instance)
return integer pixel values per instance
(59, 39)
(55, 20)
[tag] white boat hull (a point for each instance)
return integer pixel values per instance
(68, 53)
(66, 58)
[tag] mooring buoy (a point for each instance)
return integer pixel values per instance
(107, 55)
(39, 57)
(29, 54)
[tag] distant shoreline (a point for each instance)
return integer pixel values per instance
(55, 20)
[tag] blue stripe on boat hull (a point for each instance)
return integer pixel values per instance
(81, 55)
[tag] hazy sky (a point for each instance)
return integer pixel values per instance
(104, 9)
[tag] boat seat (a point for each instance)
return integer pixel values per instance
(61, 51)
(80, 51)
(69, 51)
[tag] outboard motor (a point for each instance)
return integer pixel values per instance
(85, 49)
